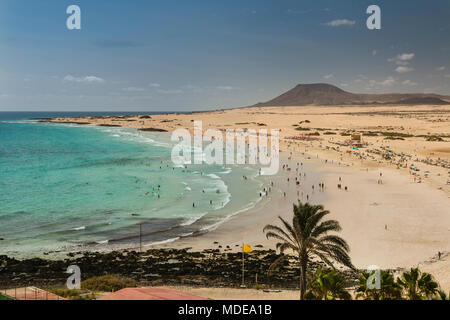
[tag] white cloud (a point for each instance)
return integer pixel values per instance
(409, 83)
(87, 79)
(402, 69)
(133, 89)
(402, 59)
(374, 52)
(440, 68)
(154, 85)
(340, 22)
(406, 56)
(328, 76)
(389, 81)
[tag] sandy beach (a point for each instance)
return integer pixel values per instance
(395, 212)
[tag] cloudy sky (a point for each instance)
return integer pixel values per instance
(143, 55)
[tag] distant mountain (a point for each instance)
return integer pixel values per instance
(327, 94)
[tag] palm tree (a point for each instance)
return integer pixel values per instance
(328, 285)
(389, 289)
(442, 296)
(418, 285)
(308, 238)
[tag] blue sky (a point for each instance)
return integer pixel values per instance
(196, 55)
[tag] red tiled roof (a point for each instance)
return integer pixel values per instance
(150, 293)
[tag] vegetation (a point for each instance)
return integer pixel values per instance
(108, 283)
(442, 296)
(72, 294)
(395, 134)
(302, 129)
(328, 285)
(389, 288)
(434, 138)
(370, 134)
(308, 236)
(418, 285)
(259, 287)
(394, 138)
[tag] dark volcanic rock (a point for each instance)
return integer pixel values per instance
(153, 130)
(209, 268)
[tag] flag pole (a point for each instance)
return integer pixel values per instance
(243, 266)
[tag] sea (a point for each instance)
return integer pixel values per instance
(68, 187)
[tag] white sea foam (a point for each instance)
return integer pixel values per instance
(227, 171)
(218, 223)
(162, 242)
(19, 122)
(186, 234)
(192, 220)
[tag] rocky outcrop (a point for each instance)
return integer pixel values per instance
(209, 268)
(153, 130)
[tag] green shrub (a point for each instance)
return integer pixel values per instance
(434, 138)
(72, 294)
(259, 287)
(108, 283)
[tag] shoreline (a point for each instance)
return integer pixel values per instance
(384, 223)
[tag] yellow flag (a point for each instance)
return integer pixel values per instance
(247, 248)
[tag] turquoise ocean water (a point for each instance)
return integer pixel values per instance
(68, 187)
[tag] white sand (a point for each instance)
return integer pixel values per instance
(417, 215)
